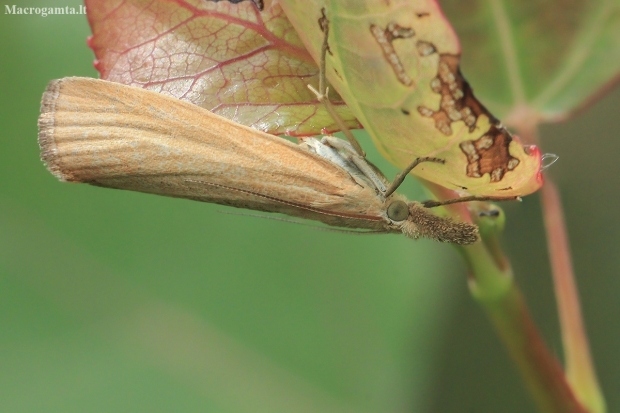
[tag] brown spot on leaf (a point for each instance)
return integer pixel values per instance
(338, 74)
(384, 38)
(489, 154)
(458, 102)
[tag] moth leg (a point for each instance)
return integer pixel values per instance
(324, 25)
(321, 94)
(347, 151)
(398, 179)
(433, 204)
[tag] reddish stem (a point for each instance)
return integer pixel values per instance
(579, 367)
(580, 372)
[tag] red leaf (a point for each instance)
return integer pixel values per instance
(233, 59)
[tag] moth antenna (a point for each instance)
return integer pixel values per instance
(398, 180)
(291, 221)
(434, 204)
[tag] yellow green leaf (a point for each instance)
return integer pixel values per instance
(396, 65)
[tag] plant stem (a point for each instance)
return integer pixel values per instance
(492, 285)
(580, 370)
(495, 290)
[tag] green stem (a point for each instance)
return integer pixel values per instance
(492, 285)
(499, 296)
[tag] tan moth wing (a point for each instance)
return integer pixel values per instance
(111, 135)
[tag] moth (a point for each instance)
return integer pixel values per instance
(116, 136)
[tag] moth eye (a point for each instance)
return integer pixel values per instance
(398, 211)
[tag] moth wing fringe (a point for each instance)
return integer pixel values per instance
(46, 123)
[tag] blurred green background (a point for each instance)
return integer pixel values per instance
(113, 301)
